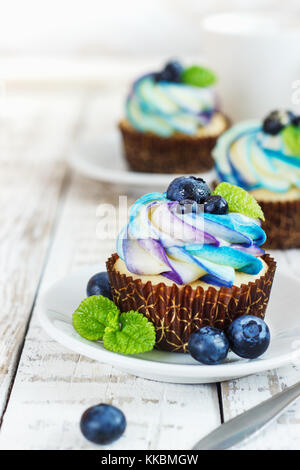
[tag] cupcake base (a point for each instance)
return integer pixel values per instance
(282, 224)
(180, 153)
(177, 311)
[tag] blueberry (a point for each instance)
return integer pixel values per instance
(276, 121)
(249, 336)
(296, 121)
(99, 285)
(156, 76)
(171, 73)
(208, 345)
(192, 188)
(216, 205)
(102, 423)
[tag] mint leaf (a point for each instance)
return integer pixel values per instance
(93, 315)
(198, 76)
(291, 138)
(98, 318)
(239, 200)
(137, 335)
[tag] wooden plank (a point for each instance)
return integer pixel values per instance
(54, 386)
(35, 132)
(241, 394)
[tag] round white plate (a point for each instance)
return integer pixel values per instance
(58, 303)
(102, 160)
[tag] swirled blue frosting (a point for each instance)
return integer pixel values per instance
(184, 247)
(248, 157)
(165, 107)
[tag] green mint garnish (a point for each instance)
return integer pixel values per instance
(198, 76)
(239, 200)
(98, 318)
(93, 315)
(137, 335)
(291, 138)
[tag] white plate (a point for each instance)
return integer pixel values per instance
(102, 160)
(58, 303)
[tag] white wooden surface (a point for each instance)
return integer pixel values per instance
(47, 230)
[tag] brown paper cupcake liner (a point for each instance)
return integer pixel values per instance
(178, 311)
(282, 224)
(147, 152)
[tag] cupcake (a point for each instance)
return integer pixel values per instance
(188, 258)
(172, 121)
(264, 159)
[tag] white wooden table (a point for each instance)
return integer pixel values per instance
(47, 230)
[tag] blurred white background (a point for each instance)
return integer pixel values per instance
(90, 39)
(114, 27)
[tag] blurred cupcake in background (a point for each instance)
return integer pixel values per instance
(172, 120)
(264, 158)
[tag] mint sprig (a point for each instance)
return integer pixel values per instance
(291, 138)
(198, 76)
(98, 318)
(136, 335)
(93, 315)
(239, 200)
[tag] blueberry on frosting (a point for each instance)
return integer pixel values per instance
(296, 121)
(276, 121)
(216, 204)
(191, 187)
(171, 72)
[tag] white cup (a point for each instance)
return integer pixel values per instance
(257, 58)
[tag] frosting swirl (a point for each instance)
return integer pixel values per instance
(250, 158)
(166, 107)
(161, 238)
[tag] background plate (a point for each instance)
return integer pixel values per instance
(102, 160)
(56, 306)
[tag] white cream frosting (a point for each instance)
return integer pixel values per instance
(240, 278)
